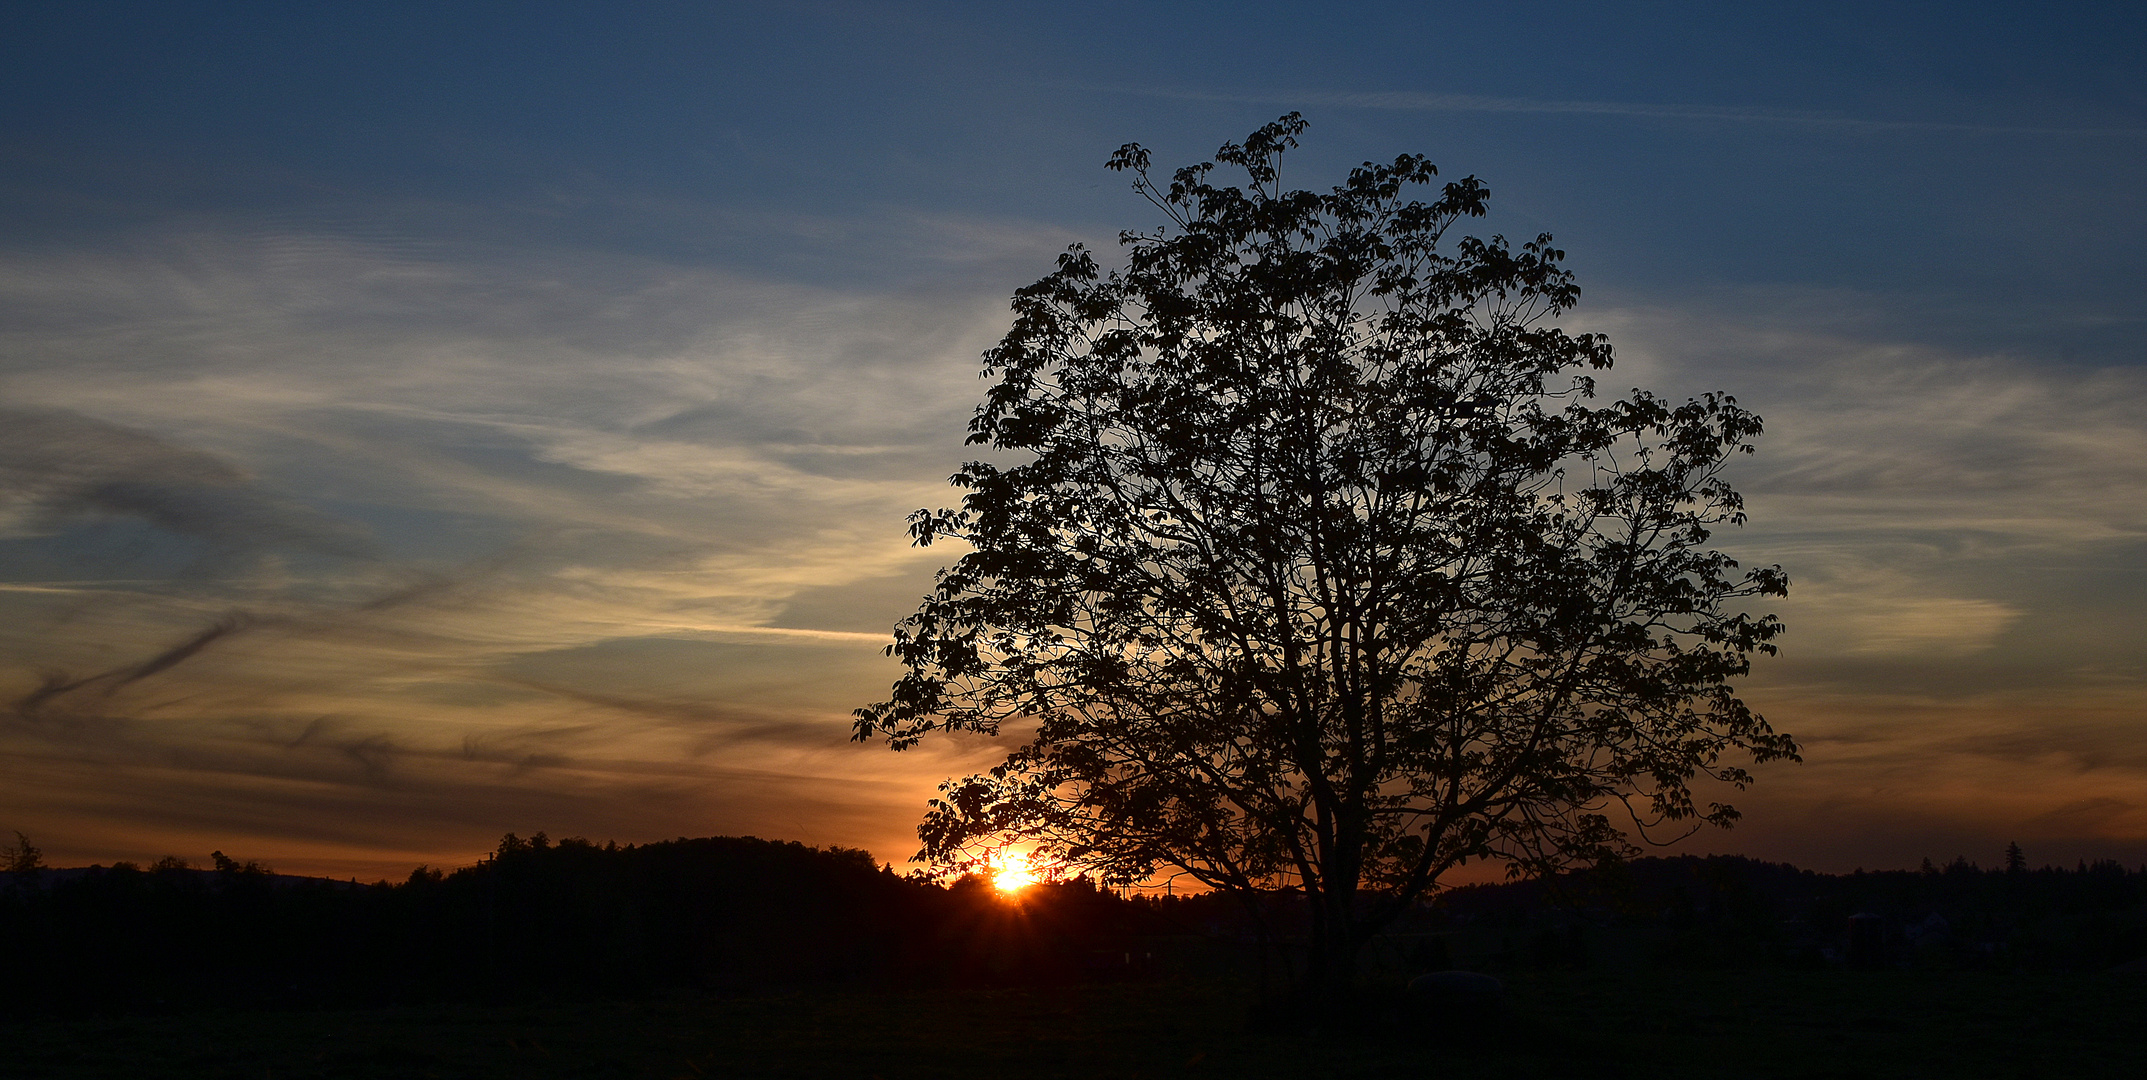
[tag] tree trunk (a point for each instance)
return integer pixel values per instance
(1331, 950)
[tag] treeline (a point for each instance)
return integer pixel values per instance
(538, 919)
(1733, 911)
(1727, 912)
(534, 919)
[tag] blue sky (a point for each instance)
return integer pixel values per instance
(519, 403)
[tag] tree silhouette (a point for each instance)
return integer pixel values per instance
(21, 857)
(1313, 567)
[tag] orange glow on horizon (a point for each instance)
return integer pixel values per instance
(1010, 875)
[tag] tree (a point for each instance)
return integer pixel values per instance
(2016, 860)
(1308, 565)
(21, 857)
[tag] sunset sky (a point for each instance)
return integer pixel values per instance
(420, 422)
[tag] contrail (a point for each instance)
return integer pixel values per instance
(179, 653)
(57, 684)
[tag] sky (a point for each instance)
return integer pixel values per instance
(421, 422)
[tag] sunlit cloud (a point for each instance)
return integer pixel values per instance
(424, 544)
(530, 555)
(1964, 534)
(1868, 623)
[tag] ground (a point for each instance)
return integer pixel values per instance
(1658, 1024)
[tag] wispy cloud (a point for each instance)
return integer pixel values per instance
(58, 466)
(513, 526)
(1963, 531)
(588, 545)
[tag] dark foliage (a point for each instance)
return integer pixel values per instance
(572, 920)
(1732, 912)
(535, 919)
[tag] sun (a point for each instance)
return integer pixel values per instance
(1010, 875)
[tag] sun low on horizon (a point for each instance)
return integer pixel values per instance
(1012, 874)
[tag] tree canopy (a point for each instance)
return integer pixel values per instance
(1306, 560)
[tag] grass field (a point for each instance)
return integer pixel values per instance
(1569, 1025)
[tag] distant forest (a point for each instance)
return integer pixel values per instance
(538, 919)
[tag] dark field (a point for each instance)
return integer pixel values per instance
(1563, 1024)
